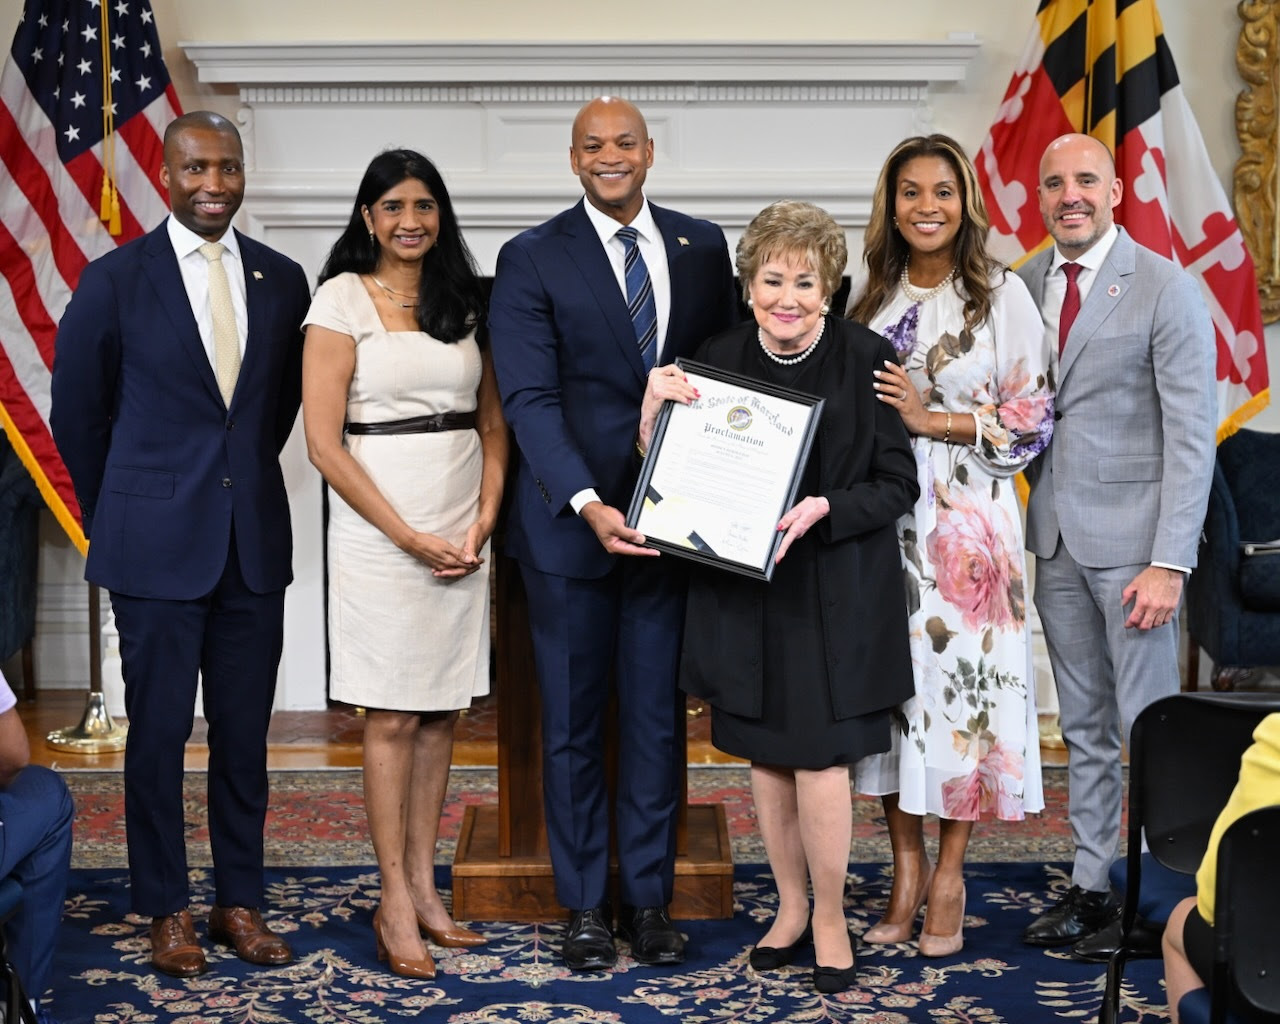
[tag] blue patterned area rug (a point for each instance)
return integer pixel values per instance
(102, 972)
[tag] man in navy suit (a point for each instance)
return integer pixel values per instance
(572, 362)
(176, 380)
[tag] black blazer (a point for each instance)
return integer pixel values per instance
(867, 472)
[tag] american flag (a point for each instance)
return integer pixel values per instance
(84, 100)
(1103, 67)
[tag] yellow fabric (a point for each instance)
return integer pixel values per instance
(1258, 786)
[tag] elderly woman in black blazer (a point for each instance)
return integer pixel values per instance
(802, 672)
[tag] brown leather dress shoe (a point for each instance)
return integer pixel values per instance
(243, 929)
(174, 949)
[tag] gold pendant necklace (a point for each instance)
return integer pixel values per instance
(392, 293)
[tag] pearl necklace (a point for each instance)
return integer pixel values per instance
(392, 293)
(924, 294)
(791, 360)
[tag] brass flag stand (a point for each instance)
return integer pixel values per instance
(96, 733)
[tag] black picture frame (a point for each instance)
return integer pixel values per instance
(752, 397)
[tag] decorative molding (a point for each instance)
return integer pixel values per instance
(534, 68)
(1256, 179)
(737, 92)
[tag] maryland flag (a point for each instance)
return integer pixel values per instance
(1103, 67)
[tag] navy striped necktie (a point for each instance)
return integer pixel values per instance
(640, 304)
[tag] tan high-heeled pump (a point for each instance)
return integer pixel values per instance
(406, 968)
(887, 932)
(450, 938)
(945, 945)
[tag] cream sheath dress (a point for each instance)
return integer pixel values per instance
(399, 638)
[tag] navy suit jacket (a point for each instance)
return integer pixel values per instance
(571, 376)
(162, 469)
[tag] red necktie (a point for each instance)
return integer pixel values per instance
(1070, 305)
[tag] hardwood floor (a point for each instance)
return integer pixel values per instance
(299, 740)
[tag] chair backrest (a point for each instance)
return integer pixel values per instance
(1184, 759)
(1250, 463)
(1246, 910)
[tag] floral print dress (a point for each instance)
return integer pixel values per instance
(967, 744)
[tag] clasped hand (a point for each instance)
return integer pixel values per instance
(446, 561)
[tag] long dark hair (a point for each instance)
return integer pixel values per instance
(885, 251)
(450, 297)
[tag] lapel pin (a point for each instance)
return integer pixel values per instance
(1114, 290)
(682, 240)
(257, 275)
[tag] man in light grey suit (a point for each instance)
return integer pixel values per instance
(1117, 499)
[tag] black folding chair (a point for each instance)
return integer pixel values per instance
(1246, 938)
(1184, 759)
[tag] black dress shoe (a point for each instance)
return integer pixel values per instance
(588, 944)
(1144, 942)
(654, 939)
(1079, 913)
(770, 958)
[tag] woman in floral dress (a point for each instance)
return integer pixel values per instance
(975, 391)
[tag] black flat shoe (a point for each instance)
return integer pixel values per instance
(829, 980)
(770, 958)
(588, 944)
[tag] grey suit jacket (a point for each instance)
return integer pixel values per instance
(1125, 479)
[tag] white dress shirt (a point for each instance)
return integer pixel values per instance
(195, 278)
(654, 251)
(1055, 284)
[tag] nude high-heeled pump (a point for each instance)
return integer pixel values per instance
(406, 968)
(887, 932)
(450, 938)
(945, 945)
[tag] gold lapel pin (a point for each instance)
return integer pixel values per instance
(682, 240)
(257, 275)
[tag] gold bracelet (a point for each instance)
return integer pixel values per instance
(946, 438)
(642, 452)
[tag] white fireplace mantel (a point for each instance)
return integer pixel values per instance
(257, 66)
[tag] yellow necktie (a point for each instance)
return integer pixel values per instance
(226, 338)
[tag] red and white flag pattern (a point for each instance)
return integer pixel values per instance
(84, 99)
(1103, 67)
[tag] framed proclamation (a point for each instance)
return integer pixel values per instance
(721, 471)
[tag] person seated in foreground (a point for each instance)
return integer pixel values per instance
(1188, 936)
(36, 812)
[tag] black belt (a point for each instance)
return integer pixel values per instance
(418, 424)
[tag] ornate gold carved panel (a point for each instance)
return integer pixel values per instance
(1257, 181)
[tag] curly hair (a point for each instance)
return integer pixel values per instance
(451, 298)
(885, 251)
(790, 228)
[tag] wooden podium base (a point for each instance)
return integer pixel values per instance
(489, 887)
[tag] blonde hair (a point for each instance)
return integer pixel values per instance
(791, 228)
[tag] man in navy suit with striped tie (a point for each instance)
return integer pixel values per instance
(583, 307)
